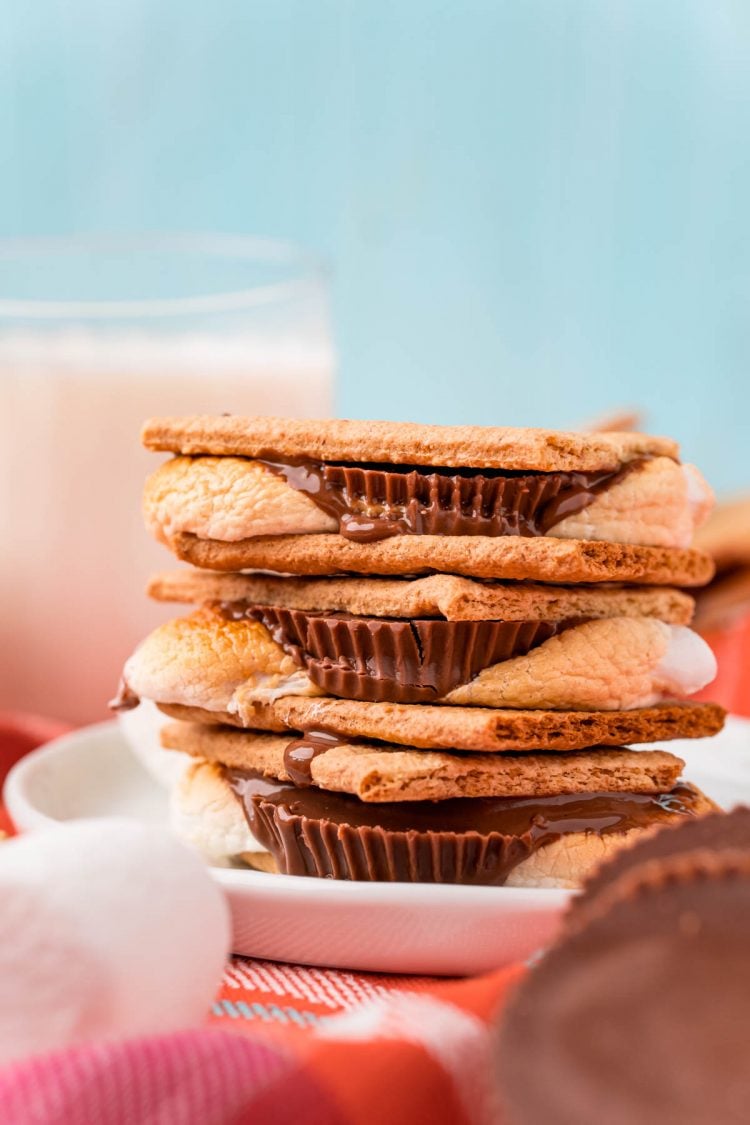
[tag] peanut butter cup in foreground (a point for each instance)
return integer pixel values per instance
(641, 1014)
(718, 831)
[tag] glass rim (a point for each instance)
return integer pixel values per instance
(311, 271)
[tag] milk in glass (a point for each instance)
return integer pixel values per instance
(75, 554)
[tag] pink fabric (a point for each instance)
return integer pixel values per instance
(401, 1059)
(192, 1078)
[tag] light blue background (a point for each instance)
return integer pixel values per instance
(537, 210)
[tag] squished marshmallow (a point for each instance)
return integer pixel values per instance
(205, 814)
(687, 665)
(201, 660)
(267, 689)
(226, 498)
(658, 504)
(617, 663)
(606, 664)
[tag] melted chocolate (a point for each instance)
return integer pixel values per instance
(380, 659)
(374, 502)
(300, 754)
(125, 700)
(463, 840)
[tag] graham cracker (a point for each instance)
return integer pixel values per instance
(478, 729)
(374, 773)
(542, 559)
(439, 595)
(401, 443)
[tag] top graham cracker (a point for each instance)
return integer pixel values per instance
(402, 443)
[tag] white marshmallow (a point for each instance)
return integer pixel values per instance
(108, 928)
(205, 815)
(687, 665)
(267, 689)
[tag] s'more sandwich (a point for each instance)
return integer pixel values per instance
(461, 631)
(321, 805)
(450, 660)
(312, 498)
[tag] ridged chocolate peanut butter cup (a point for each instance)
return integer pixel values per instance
(314, 832)
(642, 1014)
(719, 831)
(385, 660)
(377, 501)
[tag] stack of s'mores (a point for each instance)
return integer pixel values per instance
(419, 653)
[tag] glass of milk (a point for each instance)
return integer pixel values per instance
(97, 334)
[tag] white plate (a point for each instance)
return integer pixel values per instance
(383, 927)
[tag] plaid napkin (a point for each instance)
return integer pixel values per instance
(283, 1043)
(416, 1052)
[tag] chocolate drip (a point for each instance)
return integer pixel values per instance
(300, 754)
(374, 502)
(385, 660)
(125, 700)
(465, 840)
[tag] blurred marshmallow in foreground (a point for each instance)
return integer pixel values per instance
(108, 929)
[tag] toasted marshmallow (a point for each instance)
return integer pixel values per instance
(267, 689)
(226, 498)
(608, 664)
(201, 661)
(617, 663)
(658, 504)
